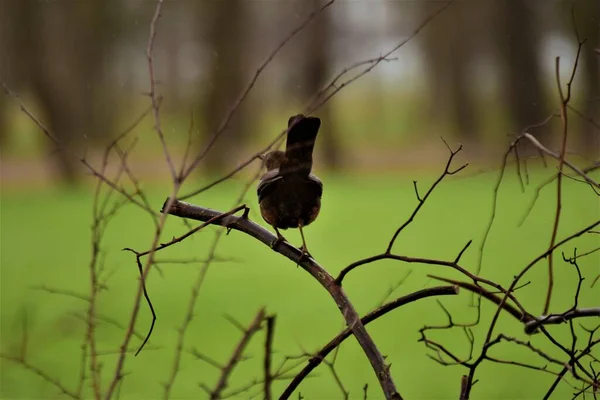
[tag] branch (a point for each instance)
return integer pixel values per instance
(41, 374)
(564, 101)
(591, 168)
(422, 200)
(555, 319)
(519, 315)
(237, 354)
(454, 265)
(196, 287)
(152, 94)
(552, 154)
(81, 158)
(333, 87)
(318, 357)
(241, 99)
(268, 356)
(242, 224)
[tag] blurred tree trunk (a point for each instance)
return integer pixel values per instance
(62, 52)
(587, 13)
(3, 123)
(449, 48)
(173, 39)
(518, 47)
(316, 52)
(225, 81)
(7, 67)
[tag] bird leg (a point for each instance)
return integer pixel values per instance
(279, 239)
(303, 249)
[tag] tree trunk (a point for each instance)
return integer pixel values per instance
(518, 51)
(588, 22)
(449, 49)
(225, 82)
(62, 49)
(316, 48)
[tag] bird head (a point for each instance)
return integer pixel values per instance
(272, 159)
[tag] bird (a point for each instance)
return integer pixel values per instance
(289, 195)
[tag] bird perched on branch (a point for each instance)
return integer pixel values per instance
(288, 194)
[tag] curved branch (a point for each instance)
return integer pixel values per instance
(454, 265)
(372, 316)
(446, 172)
(243, 224)
(555, 319)
(512, 310)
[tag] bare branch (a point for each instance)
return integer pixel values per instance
(424, 199)
(268, 355)
(319, 356)
(237, 354)
(153, 96)
(42, 375)
(235, 106)
(186, 210)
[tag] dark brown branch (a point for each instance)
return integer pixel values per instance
(243, 224)
(424, 199)
(520, 316)
(529, 266)
(268, 355)
(427, 261)
(165, 245)
(552, 154)
(555, 319)
(529, 346)
(323, 96)
(318, 357)
(488, 341)
(464, 388)
(237, 354)
(191, 231)
(196, 287)
(561, 162)
(511, 148)
(153, 96)
(538, 190)
(494, 207)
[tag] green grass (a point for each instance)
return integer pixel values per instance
(45, 241)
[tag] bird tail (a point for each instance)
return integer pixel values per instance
(301, 137)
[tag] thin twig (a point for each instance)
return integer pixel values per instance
(186, 210)
(153, 95)
(236, 105)
(268, 379)
(422, 201)
(237, 354)
(319, 356)
(41, 374)
(564, 101)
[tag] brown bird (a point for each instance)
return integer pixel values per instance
(288, 194)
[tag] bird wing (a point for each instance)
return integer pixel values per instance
(318, 184)
(267, 184)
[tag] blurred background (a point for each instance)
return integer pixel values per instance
(481, 71)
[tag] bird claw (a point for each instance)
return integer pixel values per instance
(280, 239)
(246, 212)
(303, 254)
